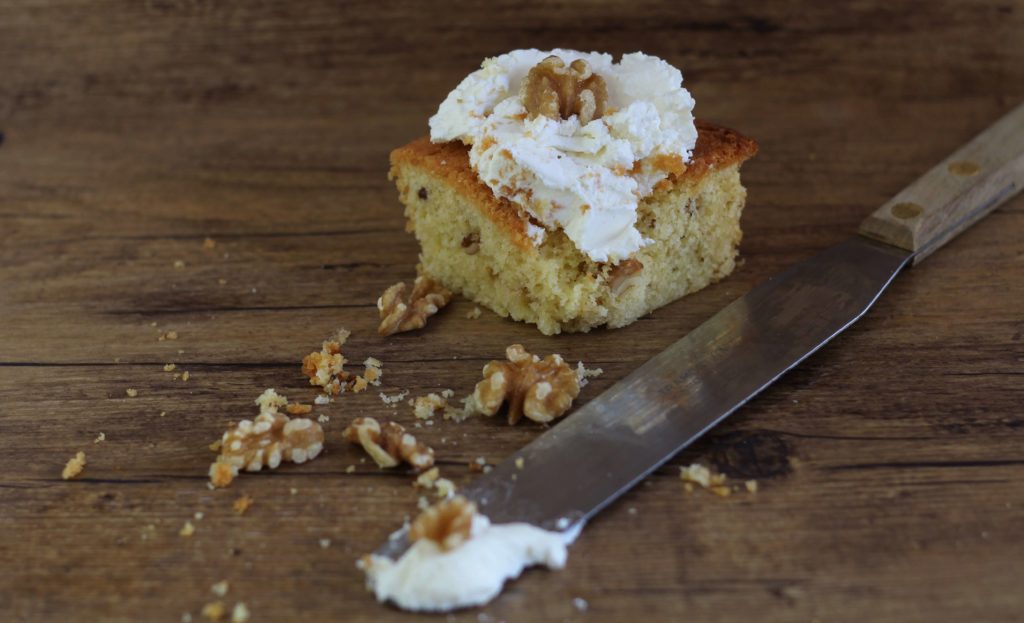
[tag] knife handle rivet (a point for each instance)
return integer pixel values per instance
(905, 210)
(964, 168)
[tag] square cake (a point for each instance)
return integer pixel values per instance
(561, 189)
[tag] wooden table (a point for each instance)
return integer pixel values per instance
(890, 464)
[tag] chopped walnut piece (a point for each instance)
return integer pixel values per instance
(297, 408)
(540, 389)
(624, 276)
(389, 445)
(398, 314)
(427, 479)
(448, 523)
(555, 91)
(242, 504)
(266, 441)
(214, 611)
(74, 466)
(471, 243)
(697, 474)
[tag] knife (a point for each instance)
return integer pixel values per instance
(613, 442)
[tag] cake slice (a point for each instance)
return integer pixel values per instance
(485, 247)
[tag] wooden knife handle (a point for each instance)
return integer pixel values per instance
(956, 193)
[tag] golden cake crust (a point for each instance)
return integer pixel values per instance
(717, 147)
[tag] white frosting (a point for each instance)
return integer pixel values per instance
(586, 180)
(428, 578)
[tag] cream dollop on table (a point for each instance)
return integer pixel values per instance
(584, 179)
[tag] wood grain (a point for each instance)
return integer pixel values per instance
(890, 463)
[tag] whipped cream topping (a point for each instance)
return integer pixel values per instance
(584, 179)
(428, 578)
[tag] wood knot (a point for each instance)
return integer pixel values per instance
(752, 455)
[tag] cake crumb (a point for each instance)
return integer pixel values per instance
(179, 264)
(242, 504)
(214, 611)
(131, 392)
(520, 462)
(163, 413)
(188, 529)
(169, 367)
(240, 613)
(477, 464)
(198, 515)
(74, 466)
(325, 543)
(167, 335)
(583, 374)
(474, 313)
(580, 604)
(322, 399)
(323, 419)
(424, 407)
(751, 486)
(209, 243)
(222, 282)
(184, 375)
(220, 588)
(293, 491)
(393, 399)
(101, 437)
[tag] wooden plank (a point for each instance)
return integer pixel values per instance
(889, 464)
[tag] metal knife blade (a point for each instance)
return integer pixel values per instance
(613, 442)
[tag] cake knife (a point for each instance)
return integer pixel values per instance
(613, 442)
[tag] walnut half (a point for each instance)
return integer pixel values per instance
(398, 314)
(540, 389)
(266, 441)
(447, 523)
(558, 92)
(388, 445)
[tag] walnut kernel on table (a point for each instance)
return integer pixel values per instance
(448, 523)
(388, 444)
(555, 91)
(268, 440)
(399, 314)
(540, 389)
